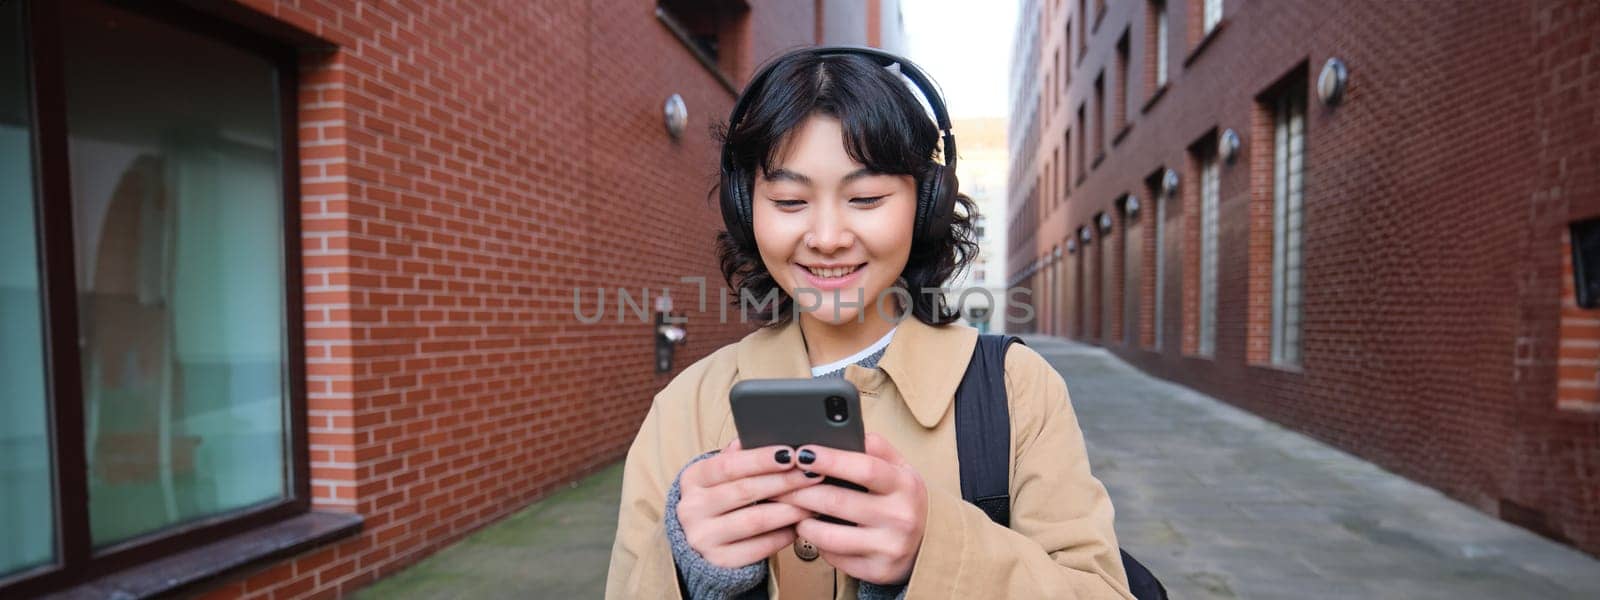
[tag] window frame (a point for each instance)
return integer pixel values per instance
(1210, 198)
(1082, 163)
(1108, 289)
(1159, 231)
(75, 560)
(1132, 274)
(1288, 239)
(722, 65)
(1121, 117)
(1163, 48)
(1099, 119)
(1154, 261)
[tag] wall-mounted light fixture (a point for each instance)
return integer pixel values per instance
(1169, 183)
(676, 115)
(1228, 145)
(1104, 219)
(1332, 81)
(1058, 252)
(1130, 206)
(1072, 245)
(1085, 234)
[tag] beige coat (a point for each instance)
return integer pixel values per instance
(1060, 544)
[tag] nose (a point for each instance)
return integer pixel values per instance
(829, 233)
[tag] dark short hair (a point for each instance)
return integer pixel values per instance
(886, 129)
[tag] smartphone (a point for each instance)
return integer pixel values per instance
(798, 412)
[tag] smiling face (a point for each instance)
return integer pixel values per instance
(826, 226)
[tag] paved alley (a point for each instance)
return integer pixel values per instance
(1222, 504)
(1217, 502)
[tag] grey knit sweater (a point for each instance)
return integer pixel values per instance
(701, 580)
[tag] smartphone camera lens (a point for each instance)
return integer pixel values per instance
(837, 413)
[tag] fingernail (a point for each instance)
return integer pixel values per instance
(782, 456)
(809, 474)
(807, 456)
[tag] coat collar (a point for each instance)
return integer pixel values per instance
(925, 362)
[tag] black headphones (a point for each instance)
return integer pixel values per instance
(936, 190)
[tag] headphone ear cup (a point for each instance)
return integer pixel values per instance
(736, 208)
(927, 188)
(935, 201)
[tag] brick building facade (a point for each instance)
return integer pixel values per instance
(1429, 324)
(445, 186)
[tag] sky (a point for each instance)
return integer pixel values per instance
(965, 45)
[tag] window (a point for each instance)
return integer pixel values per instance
(1047, 277)
(1288, 194)
(1066, 156)
(711, 30)
(1211, 16)
(1044, 97)
(1057, 190)
(27, 503)
(1083, 150)
(1099, 117)
(1161, 44)
(1120, 111)
(1061, 174)
(1066, 41)
(1084, 278)
(1058, 304)
(1107, 290)
(1159, 230)
(1038, 205)
(1131, 278)
(1083, 37)
(178, 273)
(1209, 191)
(1057, 90)
(1156, 47)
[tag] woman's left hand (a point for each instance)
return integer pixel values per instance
(890, 516)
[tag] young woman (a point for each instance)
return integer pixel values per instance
(831, 155)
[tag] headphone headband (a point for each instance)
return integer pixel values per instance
(924, 84)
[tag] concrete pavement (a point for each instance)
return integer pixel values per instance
(557, 548)
(1217, 502)
(1220, 503)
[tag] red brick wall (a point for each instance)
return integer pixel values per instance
(1436, 198)
(465, 166)
(1188, 214)
(1134, 232)
(1115, 242)
(1578, 360)
(1258, 348)
(1151, 197)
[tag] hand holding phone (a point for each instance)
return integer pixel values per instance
(890, 515)
(721, 504)
(799, 412)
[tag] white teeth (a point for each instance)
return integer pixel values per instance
(832, 273)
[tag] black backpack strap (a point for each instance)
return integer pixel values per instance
(983, 428)
(983, 446)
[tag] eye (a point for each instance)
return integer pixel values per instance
(783, 203)
(869, 201)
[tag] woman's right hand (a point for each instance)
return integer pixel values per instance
(718, 506)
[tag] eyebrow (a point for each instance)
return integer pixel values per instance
(787, 175)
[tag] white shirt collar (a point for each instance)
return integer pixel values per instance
(882, 342)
